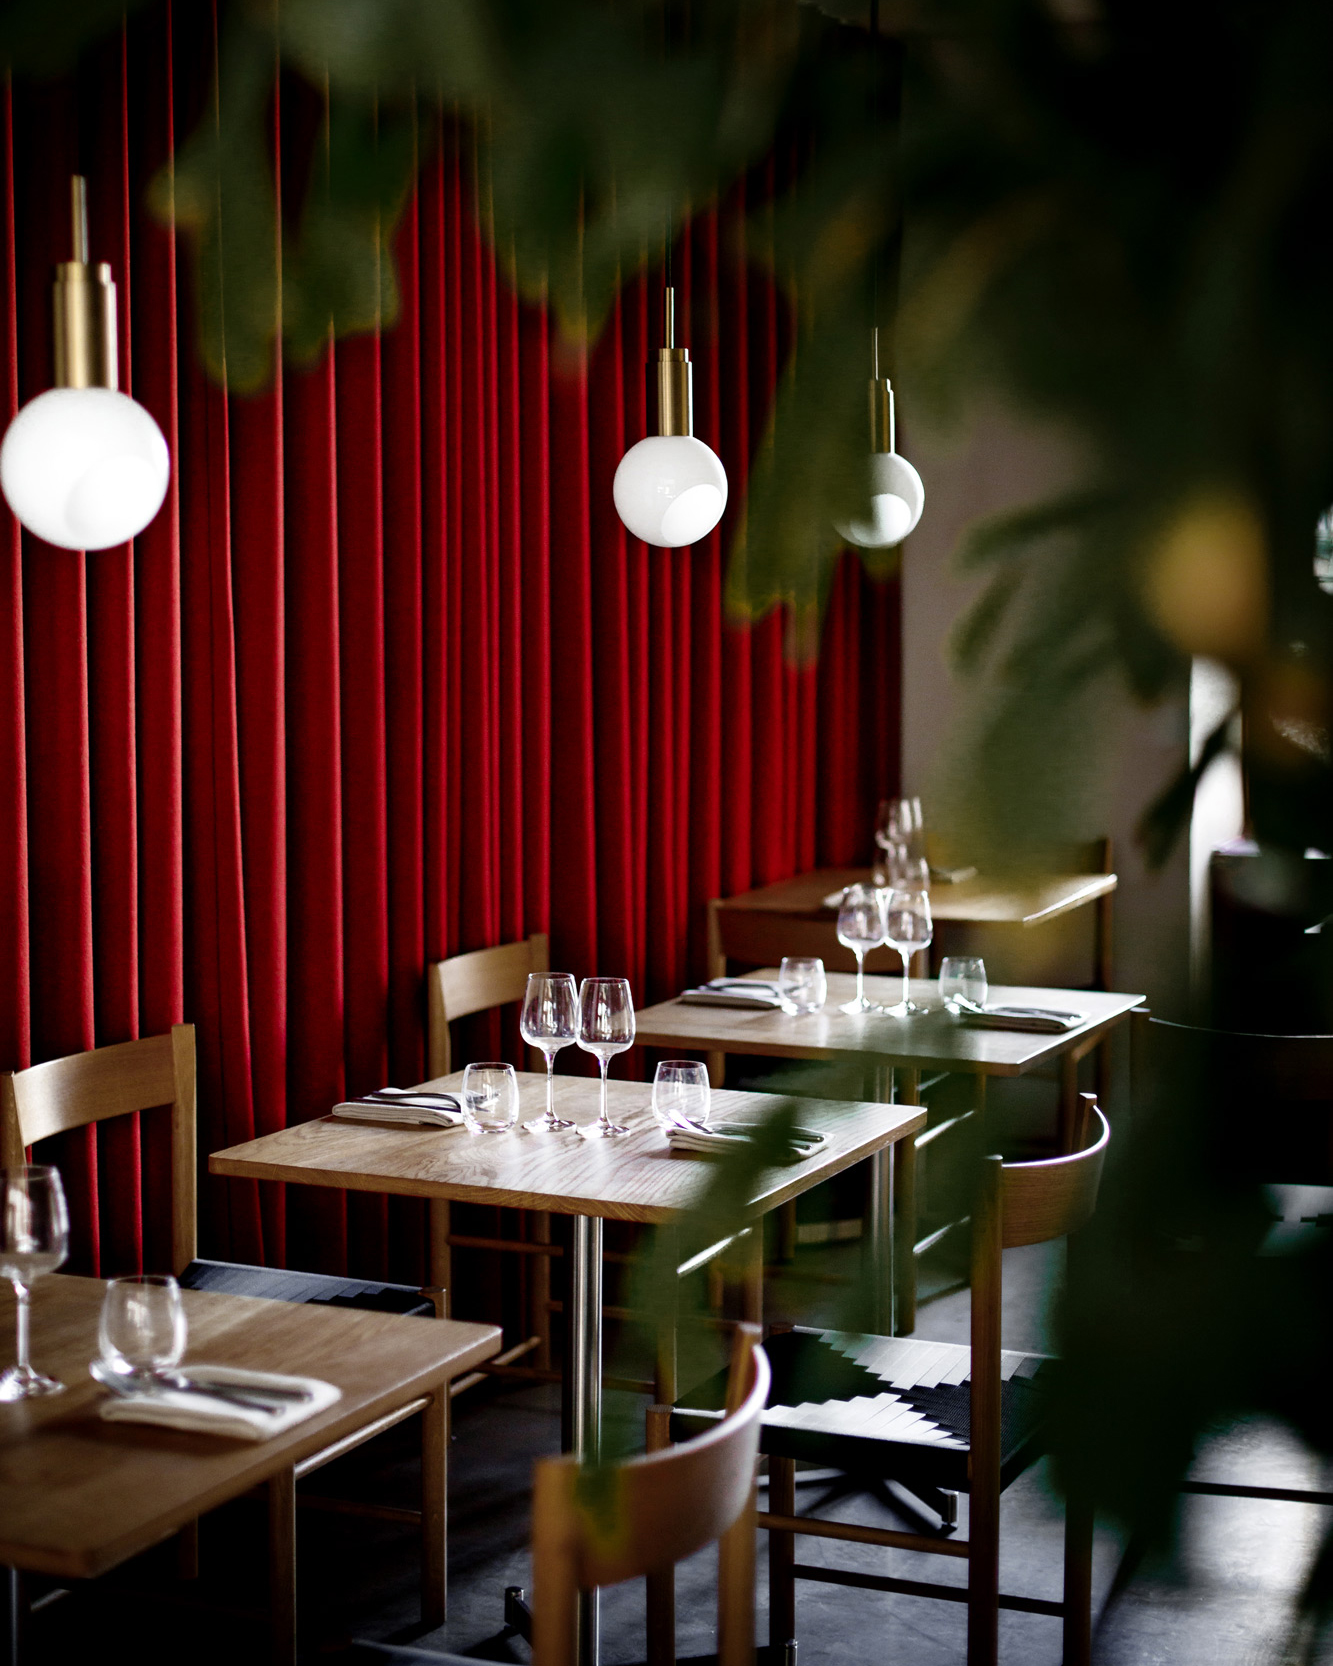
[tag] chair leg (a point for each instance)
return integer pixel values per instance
(752, 1276)
(662, 1584)
(434, 1472)
(282, 1567)
(1078, 1582)
(735, 1591)
(441, 1270)
(781, 1556)
(786, 1247)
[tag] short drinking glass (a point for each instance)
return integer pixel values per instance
(681, 1094)
(860, 928)
(490, 1097)
(606, 1027)
(908, 927)
(142, 1329)
(550, 1021)
(34, 1239)
(963, 979)
(802, 985)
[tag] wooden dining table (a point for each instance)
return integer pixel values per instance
(627, 1177)
(895, 1052)
(796, 916)
(79, 1496)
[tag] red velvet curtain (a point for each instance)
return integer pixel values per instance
(385, 680)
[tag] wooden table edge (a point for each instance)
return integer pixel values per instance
(1098, 885)
(221, 1163)
(316, 1435)
(646, 1036)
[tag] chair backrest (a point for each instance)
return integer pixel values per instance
(643, 1515)
(108, 1082)
(476, 982)
(1019, 1203)
(756, 937)
(1277, 1086)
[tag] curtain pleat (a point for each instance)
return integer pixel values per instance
(386, 680)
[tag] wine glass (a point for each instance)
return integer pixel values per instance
(802, 985)
(900, 822)
(908, 927)
(860, 928)
(606, 1027)
(490, 1097)
(963, 978)
(142, 1325)
(550, 1021)
(681, 1094)
(34, 1239)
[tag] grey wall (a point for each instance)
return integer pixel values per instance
(997, 462)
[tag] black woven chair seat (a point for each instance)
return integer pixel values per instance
(278, 1284)
(892, 1407)
(385, 1652)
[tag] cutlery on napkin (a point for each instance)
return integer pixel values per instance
(1043, 1020)
(395, 1105)
(694, 1137)
(214, 1399)
(754, 993)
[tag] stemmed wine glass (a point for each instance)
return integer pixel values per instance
(550, 1021)
(907, 927)
(34, 1239)
(606, 1027)
(860, 928)
(900, 822)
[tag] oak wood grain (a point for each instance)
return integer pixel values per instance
(977, 901)
(633, 1177)
(78, 1496)
(931, 1040)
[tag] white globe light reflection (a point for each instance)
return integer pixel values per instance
(84, 468)
(897, 498)
(670, 490)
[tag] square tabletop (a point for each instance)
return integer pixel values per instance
(981, 900)
(934, 1039)
(79, 1496)
(628, 1177)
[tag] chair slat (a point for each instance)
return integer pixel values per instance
(1056, 1196)
(90, 1087)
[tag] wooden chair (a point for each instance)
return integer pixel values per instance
(639, 1521)
(1231, 1074)
(457, 988)
(980, 1422)
(158, 1071)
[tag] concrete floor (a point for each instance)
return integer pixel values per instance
(1225, 1602)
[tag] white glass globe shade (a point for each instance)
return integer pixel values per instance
(670, 490)
(897, 498)
(84, 468)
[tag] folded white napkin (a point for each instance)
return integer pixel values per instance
(1043, 1020)
(723, 1137)
(754, 993)
(397, 1105)
(186, 1409)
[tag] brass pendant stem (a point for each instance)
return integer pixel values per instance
(84, 301)
(882, 436)
(674, 377)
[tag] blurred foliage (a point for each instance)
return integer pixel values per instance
(1110, 215)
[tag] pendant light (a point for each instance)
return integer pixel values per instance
(82, 465)
(897, 496)
(670, 488)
